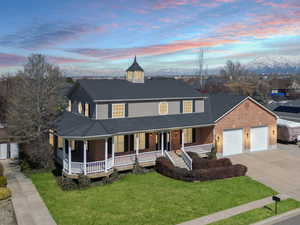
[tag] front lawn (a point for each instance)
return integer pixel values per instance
(145, 199)
(259, 214)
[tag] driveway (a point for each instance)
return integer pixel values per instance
(278, 169)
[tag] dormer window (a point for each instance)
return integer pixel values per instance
(118, 110)
(187, 106)
(87, 110)
(163, 108)
(80, 108)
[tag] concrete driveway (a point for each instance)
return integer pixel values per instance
(278, 169)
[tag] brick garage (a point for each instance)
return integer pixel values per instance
(248, 114)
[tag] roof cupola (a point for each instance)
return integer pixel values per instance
(135, 73)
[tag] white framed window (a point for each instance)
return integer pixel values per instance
(188, 135)
(119, 143)
(163, 108)
(187, 107)
(142, 141)
(87, 110)
(80, 109)
(118, 110)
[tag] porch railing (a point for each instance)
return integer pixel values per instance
(95, 167)
(125, 160)
(187, 159)
(99, 166)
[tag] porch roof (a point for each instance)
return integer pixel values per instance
(71, 125)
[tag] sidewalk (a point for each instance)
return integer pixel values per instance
(231, 212)
(28, 205)
(291, 217)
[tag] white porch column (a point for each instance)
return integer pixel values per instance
(106, 149)
(182, 139)
(162, 143)
(85, 145)
(137, 144)
(64, 153)
(70, 158)
(113, 151)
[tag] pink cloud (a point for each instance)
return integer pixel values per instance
(123, 53)
(7, 60)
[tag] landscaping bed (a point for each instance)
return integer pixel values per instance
(145, 199)
(259, 214)
(203, 169)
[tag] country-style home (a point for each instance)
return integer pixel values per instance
(113, 122)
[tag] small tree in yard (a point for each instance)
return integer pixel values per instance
(36, 101)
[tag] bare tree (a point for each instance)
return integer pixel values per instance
(233, 70)
(34, 105)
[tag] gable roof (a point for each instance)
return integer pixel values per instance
(119, 90)
(222, 104)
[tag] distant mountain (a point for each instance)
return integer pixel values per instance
(275, 65)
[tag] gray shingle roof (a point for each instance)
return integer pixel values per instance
(135, 66)
(288, 111)
(222, 103)
(72, 125)
(110, 90)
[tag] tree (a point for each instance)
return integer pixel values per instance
(36, 101)
(233, 71)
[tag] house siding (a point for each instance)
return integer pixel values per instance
(246, 115)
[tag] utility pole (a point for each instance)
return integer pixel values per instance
(201, 63)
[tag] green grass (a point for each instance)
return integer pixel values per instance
(259, 214)
(145, 199)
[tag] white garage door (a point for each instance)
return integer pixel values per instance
(3, 151)
(232, 142)
(259, 139)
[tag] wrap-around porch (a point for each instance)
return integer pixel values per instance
(100, 156)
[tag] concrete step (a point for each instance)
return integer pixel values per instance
(179, 162)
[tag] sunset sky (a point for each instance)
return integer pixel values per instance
(102, 36)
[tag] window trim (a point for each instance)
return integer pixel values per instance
(159, 112)
(112, 110)
(187, 101)
(80, 108)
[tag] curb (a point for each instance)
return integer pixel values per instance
(279, 218)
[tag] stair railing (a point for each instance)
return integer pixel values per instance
(187, 159)
(170, 157)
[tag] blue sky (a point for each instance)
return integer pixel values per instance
(102, 36)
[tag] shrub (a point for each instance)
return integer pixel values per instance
(203, 163)
(1, 170)
(193, 155)
(4, 193)
(83, 181)
(24, 165)
(212, 154)
(67, 184)
(165, 167)
(3, 181)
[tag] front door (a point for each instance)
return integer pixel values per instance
(175, 139)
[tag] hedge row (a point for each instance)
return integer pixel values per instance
(206, 170)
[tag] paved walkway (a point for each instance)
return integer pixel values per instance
(278, 169)
(231, 212)
(289, 218)
(28, 205)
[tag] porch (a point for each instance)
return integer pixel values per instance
(98, 158)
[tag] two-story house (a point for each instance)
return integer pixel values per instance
(111, 123)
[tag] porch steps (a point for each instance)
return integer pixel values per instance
(179, 162)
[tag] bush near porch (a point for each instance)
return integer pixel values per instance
(203, 169)
(145, 199)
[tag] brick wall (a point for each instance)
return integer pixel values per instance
(246, 115)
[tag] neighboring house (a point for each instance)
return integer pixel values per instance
(8, 149)
(289, 122)
(110, 123)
